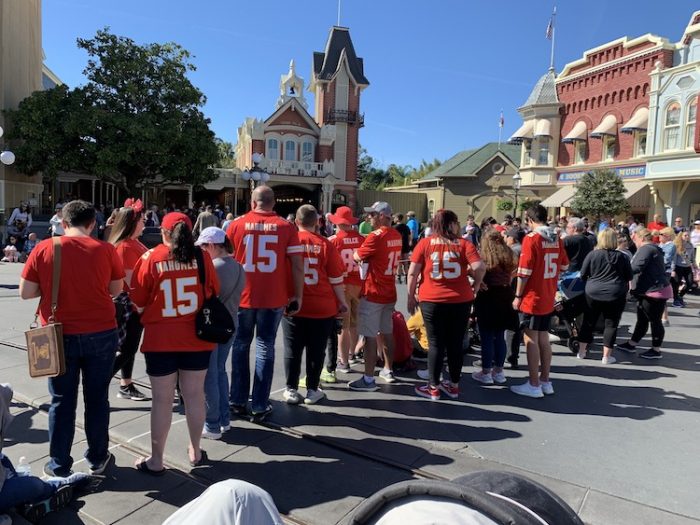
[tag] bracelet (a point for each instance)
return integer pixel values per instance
(518, 296)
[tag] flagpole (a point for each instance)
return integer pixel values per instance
(554, 29)
(338, 12)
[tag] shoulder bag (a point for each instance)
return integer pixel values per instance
(45, 344)
(214, 322)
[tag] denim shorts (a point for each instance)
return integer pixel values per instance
(166, 363)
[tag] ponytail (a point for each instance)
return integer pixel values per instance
(182, 243)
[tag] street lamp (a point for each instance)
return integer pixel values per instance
(517, 180)
(256, 174)
(6, 157)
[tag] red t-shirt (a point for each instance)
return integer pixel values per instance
(87, 268)
(445, 268)
(263, 242)
(323, 269)
(541, 261)
(170, 294)
(382, 250)
(346, 242)
(130, 251)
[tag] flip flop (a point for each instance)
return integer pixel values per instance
(145, 469)
(201, 461)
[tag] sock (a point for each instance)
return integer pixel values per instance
(369, 379)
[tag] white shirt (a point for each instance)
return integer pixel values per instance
(56, 225)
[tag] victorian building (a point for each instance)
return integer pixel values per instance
(311, 159)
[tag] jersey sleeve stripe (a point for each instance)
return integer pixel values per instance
(295, 249)
(526, 272)
(335, 280)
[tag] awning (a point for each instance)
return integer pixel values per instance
(559, 198)
(579, 132)
(607, 127)
(637, 194)
(523, 133)
(638, 122)
(542, 129)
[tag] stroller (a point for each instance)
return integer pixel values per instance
(569, 306)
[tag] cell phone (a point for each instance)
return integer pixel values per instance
(292, 307)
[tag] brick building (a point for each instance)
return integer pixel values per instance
(311, 159)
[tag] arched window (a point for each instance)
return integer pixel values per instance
(307, 152)
(290, 150)
(690, 123)
(672, 126)
(273, 150)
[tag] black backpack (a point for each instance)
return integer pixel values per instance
(214, 322)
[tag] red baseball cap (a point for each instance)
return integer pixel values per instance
(499, 228)
(173, 218)
(343, 215)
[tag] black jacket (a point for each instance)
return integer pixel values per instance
(648, 270)
(607, 274)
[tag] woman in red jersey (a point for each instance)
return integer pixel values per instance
(168, 292)
(444, 261)
(128, 227)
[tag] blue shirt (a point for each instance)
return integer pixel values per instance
(413, 226)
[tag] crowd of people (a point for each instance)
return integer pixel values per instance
(331, 282)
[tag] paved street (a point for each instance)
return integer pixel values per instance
(617, 443)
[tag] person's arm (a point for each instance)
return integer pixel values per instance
(116, 287)
(14, 215)
(525, 266)
(298, 279)
(478, 270)
(29, 289)
(367, 250)
(586, 267)
(640, 260)
(414, 271)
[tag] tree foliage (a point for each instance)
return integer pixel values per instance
(599, 193)
(136, 121)
(372, 177)
(227, 156)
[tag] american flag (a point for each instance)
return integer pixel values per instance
(550, 30)
(501, 121)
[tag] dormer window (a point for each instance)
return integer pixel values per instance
(273, 151)
(543, 152)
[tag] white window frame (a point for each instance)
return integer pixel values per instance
(310, 156)
(580, 147)
(527, 153)
(270, 150)
(640, 151)
(672, 127)
(286, 149)
(609, 142)
(542, 147)
(690, 124)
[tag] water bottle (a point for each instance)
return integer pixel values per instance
(23, 468)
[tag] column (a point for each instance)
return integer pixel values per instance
(93, 191)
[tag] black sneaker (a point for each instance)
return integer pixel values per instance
(626, 347)
(56, 472)
(651, 354)
(258, 417)
(131, 392)
(239, 410)
(102, 466)
(35, 512)
(513, 363)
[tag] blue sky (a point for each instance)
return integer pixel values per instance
(440, 70)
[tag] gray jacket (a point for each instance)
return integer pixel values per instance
(648, 270)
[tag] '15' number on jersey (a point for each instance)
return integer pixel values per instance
(261, 258)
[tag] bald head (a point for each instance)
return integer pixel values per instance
(263, 198)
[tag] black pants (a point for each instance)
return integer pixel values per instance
(127, 352)
(683, 273)
(611, 311)
(304, 333)
(332, 351)
(445, 324)
(649, 311)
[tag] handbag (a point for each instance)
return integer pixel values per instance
(665, 293)
(45, 344)
(214, 322)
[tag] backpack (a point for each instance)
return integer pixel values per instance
(403, 349)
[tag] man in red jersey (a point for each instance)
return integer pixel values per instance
(266, 245)
(347, 241)
(91, 274)
(543, 257)
(324, 298)
(381, 252)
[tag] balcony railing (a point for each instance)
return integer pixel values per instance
(298, 168)
(343, 115)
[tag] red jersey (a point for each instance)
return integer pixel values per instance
(382, 250)
(445, 268)
(130, 251)
(323, 269)
(346, 242)
(87, 267)
(263, 242)
(170, 294)
(541, 260)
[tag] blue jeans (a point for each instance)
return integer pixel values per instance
(216, 389)
(18, 490)
(264, 322)
(493, 348)
(92, 356)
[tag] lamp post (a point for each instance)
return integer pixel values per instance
(6, 157)
(517, 180)
(256, 174)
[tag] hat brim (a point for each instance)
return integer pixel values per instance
(343, 220)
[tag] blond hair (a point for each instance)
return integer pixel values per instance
(496, 253)
(643, 234)
(607, 240)
(307, 216)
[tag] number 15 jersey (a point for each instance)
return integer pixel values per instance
(445, 267)
(382, 250)
(263, 242)
(541, 260)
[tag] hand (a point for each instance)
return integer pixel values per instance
(516, 303)
(411, 304)
(673, 275)
(343, 309)
(483, 287)
(293, 308)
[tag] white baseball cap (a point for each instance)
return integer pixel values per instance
(211, 235)
(381, 208)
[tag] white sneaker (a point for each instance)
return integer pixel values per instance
(666, 322)
(499, 377)
(211, 435)
(608, 360)
(291, 396)
(423, 374)
(485, 379)
(526, 389)
(225, 428)
(387, 376)
(580, 356)
(547, 387)
(313, 396)
(343, 369)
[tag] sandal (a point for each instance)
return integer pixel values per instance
(201, 460)
(145, 469)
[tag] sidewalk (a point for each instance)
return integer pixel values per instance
(614, 442)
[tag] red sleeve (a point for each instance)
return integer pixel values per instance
(212, 285)
(335, 269)
(117, 266)
(30, 272)
(128, 256)
(527, 258)
(419, 251)
(563, 258)
(293, 245)
(142, 282)
(369, 247)
(471, 253)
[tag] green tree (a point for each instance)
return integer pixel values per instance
(369, 176)
(599, 193)
(227, 156)
(136, 121)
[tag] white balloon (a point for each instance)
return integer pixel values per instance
(7, 157)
